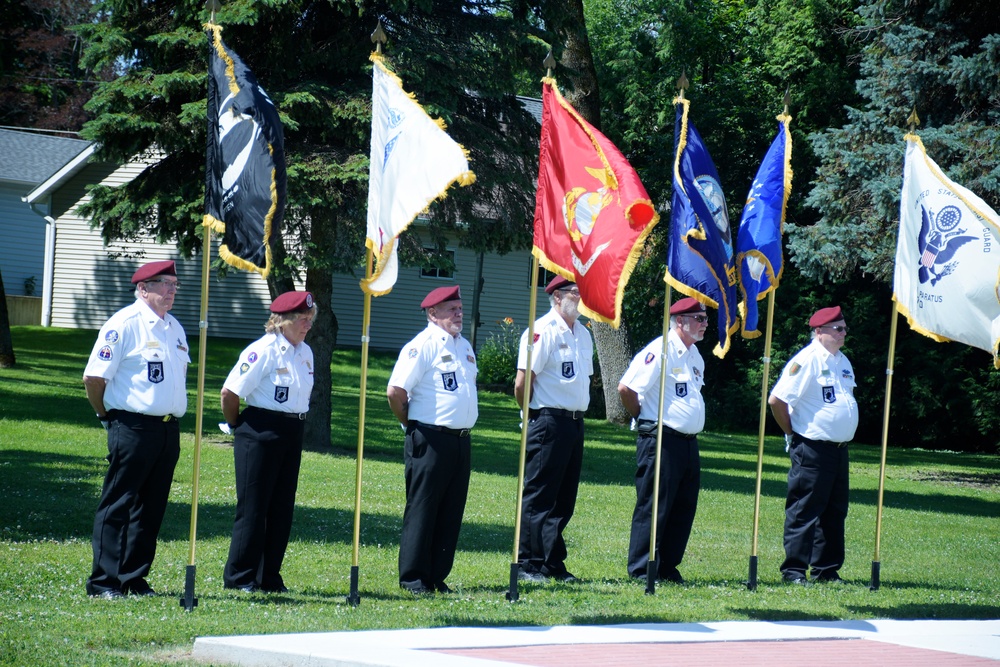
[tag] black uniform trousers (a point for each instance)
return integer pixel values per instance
(553, 460)
(438, 465)
(815, 508)
(142, 455)
(680, 481)
(267, 452)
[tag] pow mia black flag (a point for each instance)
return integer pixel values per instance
(245, 179)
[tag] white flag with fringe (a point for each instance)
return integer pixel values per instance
(947, 275)
(413, 162)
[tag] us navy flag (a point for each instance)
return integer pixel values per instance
(700, 256)
(245, 179)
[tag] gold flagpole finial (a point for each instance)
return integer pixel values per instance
(682, 84)
(550, 64)
(379, 37)
(213, 6)
(913, 120)
(788, 99)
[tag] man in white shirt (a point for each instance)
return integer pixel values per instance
(561, 365)
(432, 392)
(680, 463)
(135, 382)
(813, 403)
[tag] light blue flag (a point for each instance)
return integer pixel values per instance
(700, 256)
(758, 242)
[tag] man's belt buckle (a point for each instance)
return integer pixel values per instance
(168, 418)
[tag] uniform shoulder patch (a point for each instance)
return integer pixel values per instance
(252, 357)
(244, 367)
(412, 352)
(536, 337)
(111, 336)
(650, 357)
(794, 369)
(471, 358)
(105, 353)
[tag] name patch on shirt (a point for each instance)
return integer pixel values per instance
(280, 394)
(152, 344)
(829, 395)
(154, 371)
(281, 371)
(681, 389)
(567, 369)
(105, 353)
(445, 357)
(450, 381)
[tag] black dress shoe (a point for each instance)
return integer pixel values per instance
(442, 587)
(280, 588)
(831, 578)
(245, 588)
(531, 577)
(141, 589)
(673, 577)
(418, 590)
(793, 578)
(566, 577)
(109, 594)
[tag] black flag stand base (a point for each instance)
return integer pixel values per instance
(354, 599)
(512, 590)
(876, 569)
(752, 579)
(651, 577)
(189, 601)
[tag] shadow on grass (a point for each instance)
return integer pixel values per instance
(932, 610)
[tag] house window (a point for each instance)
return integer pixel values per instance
(437, 271)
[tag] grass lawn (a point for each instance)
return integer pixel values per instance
(940, 546)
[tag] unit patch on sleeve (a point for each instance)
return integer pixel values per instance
(105, 353)
(111, 336)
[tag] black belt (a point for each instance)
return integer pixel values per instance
(647, 427)
(801, 438)
(572, 414)
(301, 416)
(137, 415)
(457, 432)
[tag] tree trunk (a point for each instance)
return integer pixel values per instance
(6, 342)
(323, 336)
(614, 346)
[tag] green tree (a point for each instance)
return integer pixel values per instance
(943, 59)
(312, 57)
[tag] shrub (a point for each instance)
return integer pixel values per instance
(497, 358)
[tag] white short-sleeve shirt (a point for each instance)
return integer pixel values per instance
(438, 372)
(683, 404)
(274, 375)
(143, 358)
(562, 359)
(819, 390)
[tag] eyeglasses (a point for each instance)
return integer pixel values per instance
(836, 327)
(697, 318)
(573, 290)
(171, 284)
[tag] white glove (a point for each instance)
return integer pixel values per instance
(224, 427)
(788, 442)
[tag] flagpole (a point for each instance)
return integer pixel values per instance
(189, 601)
(512, 592)
(876, 563)
(354, 598)
(752, 578)
(651, 566)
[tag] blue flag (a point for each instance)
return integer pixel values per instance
(700, 256)
(758, 242)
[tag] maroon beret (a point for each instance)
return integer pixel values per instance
(558, 283)
(440, 295)
(153, 269)
(825, 316)
(688, 304)
(290, 302)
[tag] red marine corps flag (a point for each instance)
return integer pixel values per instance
(592, 213)
(245, 180)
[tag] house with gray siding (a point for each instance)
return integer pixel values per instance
(88, 280)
